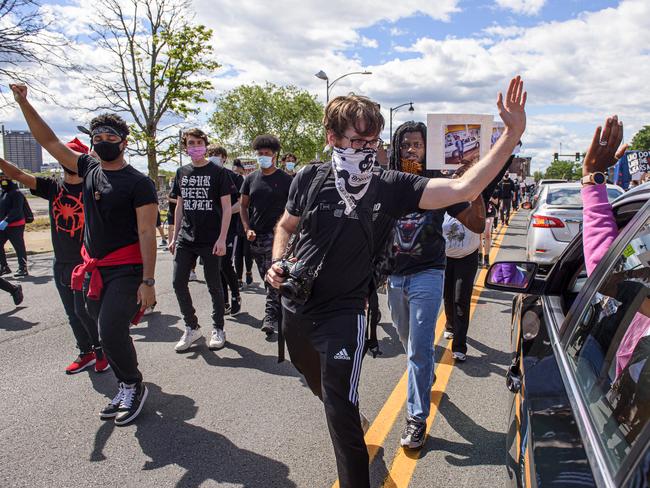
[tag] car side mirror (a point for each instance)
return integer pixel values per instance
(513, 276)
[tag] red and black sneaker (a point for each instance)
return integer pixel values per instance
(82, 362)
(101, 364)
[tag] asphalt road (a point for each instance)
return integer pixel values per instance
(236, 417)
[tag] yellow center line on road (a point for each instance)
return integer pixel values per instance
(405, 461)
(383, 423)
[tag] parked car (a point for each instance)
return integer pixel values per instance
(580, 369)
(555, 221)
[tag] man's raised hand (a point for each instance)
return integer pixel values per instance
(512, 109)
(20, 91)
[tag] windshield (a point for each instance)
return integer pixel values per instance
(570, 197)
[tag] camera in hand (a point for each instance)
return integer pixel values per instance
(299, 281)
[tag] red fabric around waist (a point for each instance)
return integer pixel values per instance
(125, 255)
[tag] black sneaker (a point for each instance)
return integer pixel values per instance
(413, 435)
(240, 283)
(486, 262)
(5, 270)
(249, 278)
(132, 402)
(268, 326)
(235, 308)
(226, 308)
(21, 273)
(17, 295)
(112, 409)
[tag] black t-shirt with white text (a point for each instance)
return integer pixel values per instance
(201, 188)
(268, 195)
(66, 211)
(110, 199)
(342, 283)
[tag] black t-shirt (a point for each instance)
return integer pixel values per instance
(201, 189)
(110, 199)
(66, 217)
(268, 195)
(506, 188)
(236, 227)
(342, 284)
(419, 243)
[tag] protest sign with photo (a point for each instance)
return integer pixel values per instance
(497, 130)
(455, 139)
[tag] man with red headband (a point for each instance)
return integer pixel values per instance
(66, 225)
(119, 248)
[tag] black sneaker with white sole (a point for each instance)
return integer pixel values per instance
(268, 326)
(112, 409)
(413, 434)
(235, 308)
(132, 402)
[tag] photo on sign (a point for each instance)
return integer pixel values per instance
(497, 130)
(462, 143)
(456, 139)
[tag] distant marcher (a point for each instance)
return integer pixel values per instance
(290, 163)
(12, 226)
(243, 255)
(506, 189)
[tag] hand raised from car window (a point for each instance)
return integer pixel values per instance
(604, 150)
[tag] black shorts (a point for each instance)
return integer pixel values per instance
(158, 221)
(170, 218)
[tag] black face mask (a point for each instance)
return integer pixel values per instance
(108, 151)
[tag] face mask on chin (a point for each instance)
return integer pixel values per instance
(265, 162)
(108, 151)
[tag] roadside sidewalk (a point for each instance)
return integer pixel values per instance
(36, 242)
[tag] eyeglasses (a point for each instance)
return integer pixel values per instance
(405, 146)
(364, 144)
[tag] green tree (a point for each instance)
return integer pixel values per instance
(538, 175)
(291, 114)
(160, 58)
(567, 170)
(641, 140)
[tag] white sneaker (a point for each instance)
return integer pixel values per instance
(190, 336)
(458, 356)
(218, 339)
(193, 276)
(448, 335)
(148, 310)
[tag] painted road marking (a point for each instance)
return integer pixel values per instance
(385, 420)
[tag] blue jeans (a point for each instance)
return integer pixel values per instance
(414, 301)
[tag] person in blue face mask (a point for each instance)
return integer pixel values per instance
(264, 195)
(290, 164)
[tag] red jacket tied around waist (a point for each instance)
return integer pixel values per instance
(125, 255)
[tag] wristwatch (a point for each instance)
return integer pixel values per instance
(149, 281)
(596, 178)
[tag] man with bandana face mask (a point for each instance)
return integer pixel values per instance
(119, 249)
(12, 226)
(325, 335)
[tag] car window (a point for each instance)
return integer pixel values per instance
(572, 197)
(610, 350)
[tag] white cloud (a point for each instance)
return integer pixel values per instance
(504, 31)
(367, 42)
(396, 32)
(523, 7)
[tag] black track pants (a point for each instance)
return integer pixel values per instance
(329, 354)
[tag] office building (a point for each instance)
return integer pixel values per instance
(22, 149)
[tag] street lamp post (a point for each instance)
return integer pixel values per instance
(321, 75)
(395, 109)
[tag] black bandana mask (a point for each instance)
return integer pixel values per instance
(108, 151)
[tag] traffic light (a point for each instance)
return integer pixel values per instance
(556, 157)
(578, 157)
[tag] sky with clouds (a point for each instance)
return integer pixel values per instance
(581, 60)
